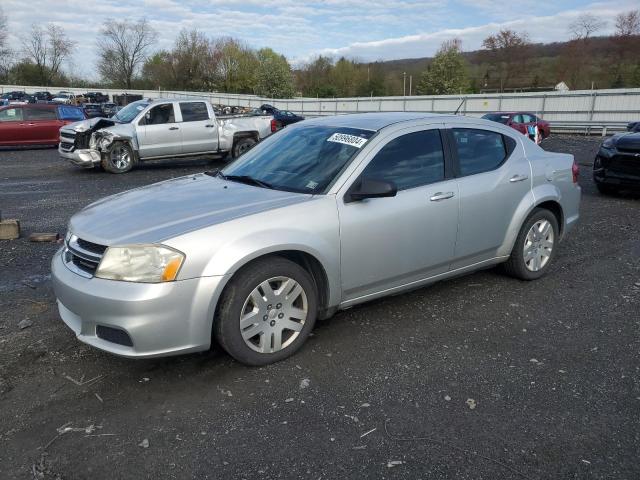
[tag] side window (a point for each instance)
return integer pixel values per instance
(528, 118)
(67, 112)
(518, 118)
(409, 161)
(11, 115)
(160, 114)
(194, 111)
(41, 114)
(479, 150)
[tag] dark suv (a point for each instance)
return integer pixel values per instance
(617, 163)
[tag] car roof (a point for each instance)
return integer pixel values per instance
(42, 106)
(378, 121)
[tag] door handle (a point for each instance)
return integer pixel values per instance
(208, 126)
(173, 128)
(518, 178)
(436, 197)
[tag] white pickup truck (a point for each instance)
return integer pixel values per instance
(167, 128)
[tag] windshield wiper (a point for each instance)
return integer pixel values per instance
(246, 179)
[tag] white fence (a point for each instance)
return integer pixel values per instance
(580, 110)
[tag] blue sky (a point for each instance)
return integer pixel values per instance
(301, 29)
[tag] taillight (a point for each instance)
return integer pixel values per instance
(575, 171)
(274, 125)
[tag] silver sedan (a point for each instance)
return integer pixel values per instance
(326, 214)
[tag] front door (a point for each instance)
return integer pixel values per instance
(396, 241)
(494, 179)
(44, 126)
(199, 132)
(159, 134)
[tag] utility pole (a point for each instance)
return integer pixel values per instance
(404, 84)
(410, 79)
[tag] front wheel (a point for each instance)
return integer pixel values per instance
(119, 158)
(535, 246)
(266, 312)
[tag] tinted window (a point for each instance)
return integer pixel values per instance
(194, 111)
(478, 150)
(67, 112)
(11, 115)
(497, 117)
(301, 159)
(160, 114)
(410, 160)
(41, 114)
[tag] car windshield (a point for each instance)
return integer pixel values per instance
(302, 159)
(497, 117)
(131, 111)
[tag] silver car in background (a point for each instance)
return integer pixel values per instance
(325, 214)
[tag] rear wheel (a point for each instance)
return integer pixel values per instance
(266, 312)
(535, 246)
(243, 145)
(119, 158)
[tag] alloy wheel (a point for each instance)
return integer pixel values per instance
(120, 157)
(538, 245)
(273, 315)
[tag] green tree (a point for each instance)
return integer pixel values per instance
(447, 73)
(273, 77)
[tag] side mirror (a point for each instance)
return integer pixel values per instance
(370, 188)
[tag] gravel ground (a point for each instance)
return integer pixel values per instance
(478, 377)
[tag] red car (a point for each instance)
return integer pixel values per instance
(35, 124)
(520, 121)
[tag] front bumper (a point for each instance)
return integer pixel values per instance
(617, 170)
(159, 318)
(82, 158)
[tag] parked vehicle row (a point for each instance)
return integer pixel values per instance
(146, 130)
(323, 215)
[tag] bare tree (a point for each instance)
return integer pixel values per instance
(585, 25)
(123, 47)
(47, 47)
(507, 54)
(6, 54)
(628, 24)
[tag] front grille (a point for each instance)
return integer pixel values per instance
(67, 134)
(628, 164)
(82, 140)
(85, 256)
(92, 247)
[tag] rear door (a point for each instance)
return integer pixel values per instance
(159, 134)
(199, 134)
(494, 178)
(391, 242)
(43, 124)
(13, 127)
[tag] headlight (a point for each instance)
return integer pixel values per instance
(140, 263)
(609, 143)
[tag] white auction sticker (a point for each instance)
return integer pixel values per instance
(347, 139)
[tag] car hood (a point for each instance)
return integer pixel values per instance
(84, 125)
(629, 141)
(164, 210)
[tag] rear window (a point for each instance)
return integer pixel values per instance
(11, 115)
(194, 111)
(479, 150)
(497, 117)
(68, 112)
(41, 114)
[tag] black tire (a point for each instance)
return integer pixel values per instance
(605, 189)
(110, 161)
(243, 145)
(516, 266)
(226, 325)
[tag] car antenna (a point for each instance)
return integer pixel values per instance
(460, 106)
